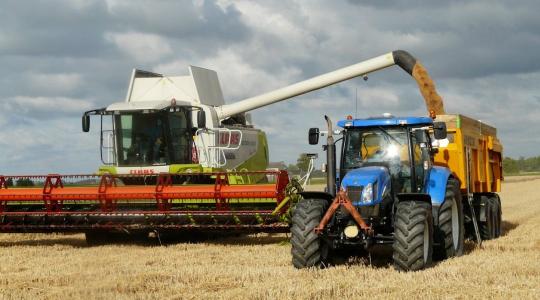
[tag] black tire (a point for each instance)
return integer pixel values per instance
(450, 232)
(308, 248)
(488, 228)
(413, 236)
(499, 217)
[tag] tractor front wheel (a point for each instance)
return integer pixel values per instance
(413, 236)
(308, 248)
(450, 231)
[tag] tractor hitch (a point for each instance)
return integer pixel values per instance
(342, 199)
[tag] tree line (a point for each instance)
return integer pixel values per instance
(521, 165)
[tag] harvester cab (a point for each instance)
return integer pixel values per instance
(169, 124)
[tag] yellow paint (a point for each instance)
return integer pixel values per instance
(485, 157)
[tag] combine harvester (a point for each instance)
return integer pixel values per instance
(176, 158)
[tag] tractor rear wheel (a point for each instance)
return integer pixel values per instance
(413, 236)
(450, 232)
(308, 248)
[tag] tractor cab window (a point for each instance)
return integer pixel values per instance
(153, 138)
(380, 146)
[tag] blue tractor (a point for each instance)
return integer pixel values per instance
(385, 190)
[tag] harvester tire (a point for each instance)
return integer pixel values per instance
(450, 232)
(308, 249)
(413, 236)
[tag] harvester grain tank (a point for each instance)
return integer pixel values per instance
(420, 184)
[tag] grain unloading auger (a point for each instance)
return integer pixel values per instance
(178, 158)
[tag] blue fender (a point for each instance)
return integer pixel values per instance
(436, 186)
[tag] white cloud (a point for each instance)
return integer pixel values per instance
(59, 83)
(44, 107)
(143, 47)
(239, 79)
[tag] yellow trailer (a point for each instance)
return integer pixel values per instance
(472, 152)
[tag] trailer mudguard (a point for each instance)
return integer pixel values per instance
(436, 185)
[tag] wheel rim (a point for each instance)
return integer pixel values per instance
(426, 241)
(455, 225)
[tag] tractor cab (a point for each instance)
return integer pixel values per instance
(384, 160)
(385, 155)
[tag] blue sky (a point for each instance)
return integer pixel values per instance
(60, 58)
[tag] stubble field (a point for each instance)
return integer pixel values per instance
(63, 266)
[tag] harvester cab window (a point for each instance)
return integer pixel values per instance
(141, 139)
(181, 136)
(153, 138)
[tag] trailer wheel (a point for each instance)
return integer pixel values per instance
(488, 227)
(308, 249)
(491, 228)
(413, 236)
(498, 216)
(450, 233)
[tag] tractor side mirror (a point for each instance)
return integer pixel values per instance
(439, 130)
(201, 119)
(85, 123)
(313, 136)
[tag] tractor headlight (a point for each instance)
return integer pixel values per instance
(367, 193)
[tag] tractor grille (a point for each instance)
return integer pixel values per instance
(354, 193)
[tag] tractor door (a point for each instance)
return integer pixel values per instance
(420, 148)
